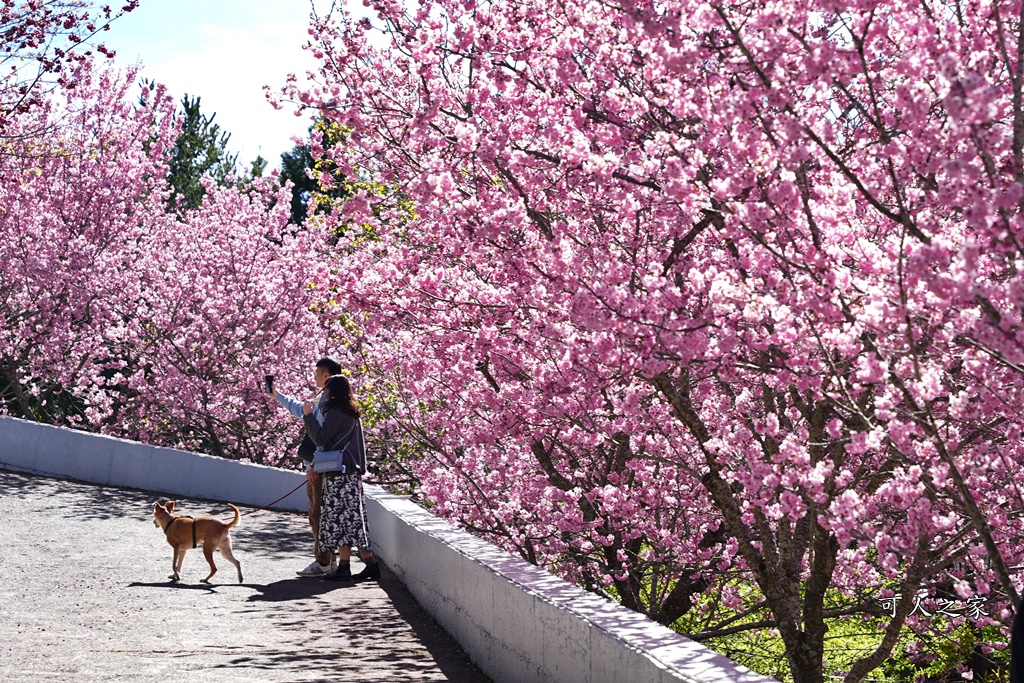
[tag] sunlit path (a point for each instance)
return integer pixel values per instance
(85, 597)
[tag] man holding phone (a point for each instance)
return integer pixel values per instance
(324, 562)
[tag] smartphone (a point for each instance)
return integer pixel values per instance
(269, 384)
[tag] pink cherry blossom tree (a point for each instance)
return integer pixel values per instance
(225, 301)
(74, 208)
(699, 292)
(43, 42)
(123, 316)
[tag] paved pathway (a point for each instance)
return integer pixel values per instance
(84, 597)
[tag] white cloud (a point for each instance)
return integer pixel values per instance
(224, 52)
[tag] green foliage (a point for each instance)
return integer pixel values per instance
(758, 648)
(200, 149)
(922, 654)
(327, 184)
(936, 657)
(259, 167)
(293, 168)
(319, 186)
(394, 452)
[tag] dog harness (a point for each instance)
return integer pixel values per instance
(175, 519)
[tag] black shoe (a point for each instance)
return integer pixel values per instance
(343, 573)
(371, 572)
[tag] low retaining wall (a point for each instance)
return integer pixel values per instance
(518, 623)
(33, 447)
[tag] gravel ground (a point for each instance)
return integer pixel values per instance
(84, 596)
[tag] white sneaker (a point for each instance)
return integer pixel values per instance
(334, 565)
(314, 569)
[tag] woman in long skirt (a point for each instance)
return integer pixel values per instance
(343, 511)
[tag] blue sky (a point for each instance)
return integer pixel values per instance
(224, 51)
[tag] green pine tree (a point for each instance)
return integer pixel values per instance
(293, 168)
(200, 149)
(259, 167)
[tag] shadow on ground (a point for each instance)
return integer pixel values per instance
(110, 613)
(271, 533)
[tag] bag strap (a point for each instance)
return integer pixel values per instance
(346, 435)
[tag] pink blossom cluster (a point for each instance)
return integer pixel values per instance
(695, 294)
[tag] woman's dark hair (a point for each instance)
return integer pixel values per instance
(330, 365)
(339, 395)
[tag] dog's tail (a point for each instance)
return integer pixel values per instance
(238, 516)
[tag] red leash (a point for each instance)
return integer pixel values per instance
(272, 502)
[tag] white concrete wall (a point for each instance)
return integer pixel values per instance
(518, 623)
(32, 447)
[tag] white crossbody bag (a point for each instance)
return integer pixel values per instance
(325, 462)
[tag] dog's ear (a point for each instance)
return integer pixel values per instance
(170, 506)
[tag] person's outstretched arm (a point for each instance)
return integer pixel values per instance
(293, 405)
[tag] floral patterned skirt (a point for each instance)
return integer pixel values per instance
(343, 514)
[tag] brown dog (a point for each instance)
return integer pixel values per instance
(185, 533)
